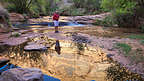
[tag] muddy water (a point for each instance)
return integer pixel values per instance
(70, 60)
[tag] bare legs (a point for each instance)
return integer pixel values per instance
(56, 29)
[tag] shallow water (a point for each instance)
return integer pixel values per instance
(49, 24)
(69, 60)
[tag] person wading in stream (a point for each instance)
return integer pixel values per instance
(56, 21)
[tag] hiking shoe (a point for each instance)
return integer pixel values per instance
(56, 31)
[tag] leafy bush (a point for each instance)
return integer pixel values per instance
(32, 7)
(126, 20)
(89, 5)
(142, 28)
(108, 22)
(20, 6)
(71, 11)
(123, 11)
(119, 6)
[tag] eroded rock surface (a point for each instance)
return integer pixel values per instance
(21, 74)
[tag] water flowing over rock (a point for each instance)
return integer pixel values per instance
(21, 74)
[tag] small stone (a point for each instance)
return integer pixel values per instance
(110, 49)
(110, 55)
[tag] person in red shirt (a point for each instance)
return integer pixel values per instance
(56, 21)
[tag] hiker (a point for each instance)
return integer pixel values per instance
(56, 21)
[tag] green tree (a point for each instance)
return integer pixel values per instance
(125, 12)
(20, 6)
(88, 4)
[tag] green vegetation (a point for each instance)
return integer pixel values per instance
(35, 8)
(125, 12)
(136, 56)
(139, 37)
(125, 47)
(106, 22)
(31, 7)
(72, 11)
(91, 6)
(142, 42)
(20, 6)
(15, 34)
(142, 28)
(136, 36)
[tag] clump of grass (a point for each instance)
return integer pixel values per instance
(15, 34)
(136, 37)
(125, 48)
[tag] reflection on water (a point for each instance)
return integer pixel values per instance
(57, 47)
(69, 61)
(49, 24)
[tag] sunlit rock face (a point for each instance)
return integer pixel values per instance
(76, 61)
(69, 56)
(21, 74)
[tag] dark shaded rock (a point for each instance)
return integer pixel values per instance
(3, 47)
(3, 61)
(111, 49)
(109, 55)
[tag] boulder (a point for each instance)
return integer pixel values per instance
(22, 74)
(15, 17)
